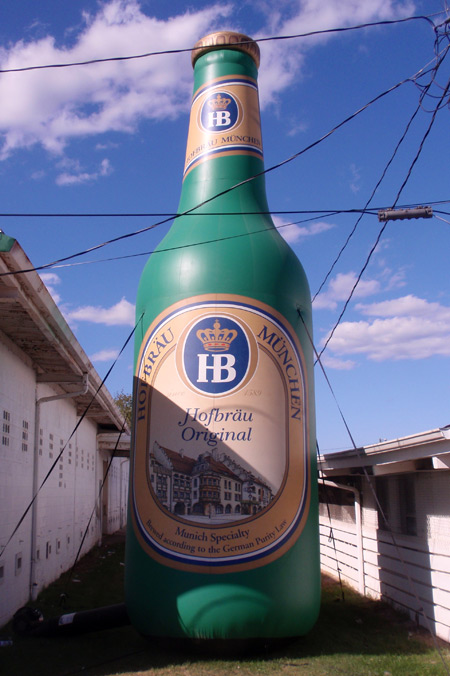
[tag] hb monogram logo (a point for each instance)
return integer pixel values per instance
(219, 112)
(216, 355)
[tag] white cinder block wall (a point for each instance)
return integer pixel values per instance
(68, 497)
(16, 477)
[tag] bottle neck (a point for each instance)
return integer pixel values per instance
(224, 144)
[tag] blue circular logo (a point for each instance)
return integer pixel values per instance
(219, 112)
(216, 355)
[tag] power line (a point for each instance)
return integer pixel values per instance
(194, 244)
(159, 214)
(77, 425)
(408, 175)
(383, 173)
(193, 209)
(167, 52)
(369, 479)
(173, 214)
(358, 221)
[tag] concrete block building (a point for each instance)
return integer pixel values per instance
(58, 431)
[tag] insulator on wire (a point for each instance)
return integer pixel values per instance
(403, 214)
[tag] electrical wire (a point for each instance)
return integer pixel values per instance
(167, 52)
(227, 190)
(405, 181)
(173, 214)
(86, 530)
(441, 219)
(360, 453)
(60, 454)
(424, 92)
(158, 214)
(358, 221)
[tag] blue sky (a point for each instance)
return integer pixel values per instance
(110, 138)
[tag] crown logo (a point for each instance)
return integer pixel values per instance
(216, 339)
(219, 103)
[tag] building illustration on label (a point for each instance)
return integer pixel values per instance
(212, 486)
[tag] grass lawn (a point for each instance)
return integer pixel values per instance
(353, 637)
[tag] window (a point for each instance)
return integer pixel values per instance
(6, 428)
(18, 566)
(397, 504)
(383, 506)
(408, 520)
(24, 435)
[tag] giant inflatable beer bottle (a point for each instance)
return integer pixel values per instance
(222, 539)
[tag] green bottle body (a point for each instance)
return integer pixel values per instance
(222, 534)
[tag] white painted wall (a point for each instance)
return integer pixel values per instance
(16, 476)
(69, 496)
(412, 572)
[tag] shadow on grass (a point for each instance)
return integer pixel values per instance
(355, 627)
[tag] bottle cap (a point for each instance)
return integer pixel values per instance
(226, 40)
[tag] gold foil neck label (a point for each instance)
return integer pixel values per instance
(224, 120)
(220, 473)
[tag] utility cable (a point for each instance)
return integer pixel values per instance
(183, 246)
(361, 456)
(358, 220)
(97, 502)
(408, 175)
(80, 420)
(173, 214)
(380, 180)
(331, 536)
(441, 219)
(158, 214)
(223, 192)
(167, 52)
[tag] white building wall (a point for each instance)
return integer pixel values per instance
(412, 572)
(16, 476)
(117, 495)
(66, 500)
(69, 495)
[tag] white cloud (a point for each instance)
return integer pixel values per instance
(337, 364)
(403, 328)
(283, 61)
(122, 313)
(355, 178)
(406, 306)
(52, 106)
(50, 280)
(297, 127)
(340, 288)
(293, 232)
(105, 355)
(79, 176)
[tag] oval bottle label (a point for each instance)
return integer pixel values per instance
(218, 125)
(221, 460)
